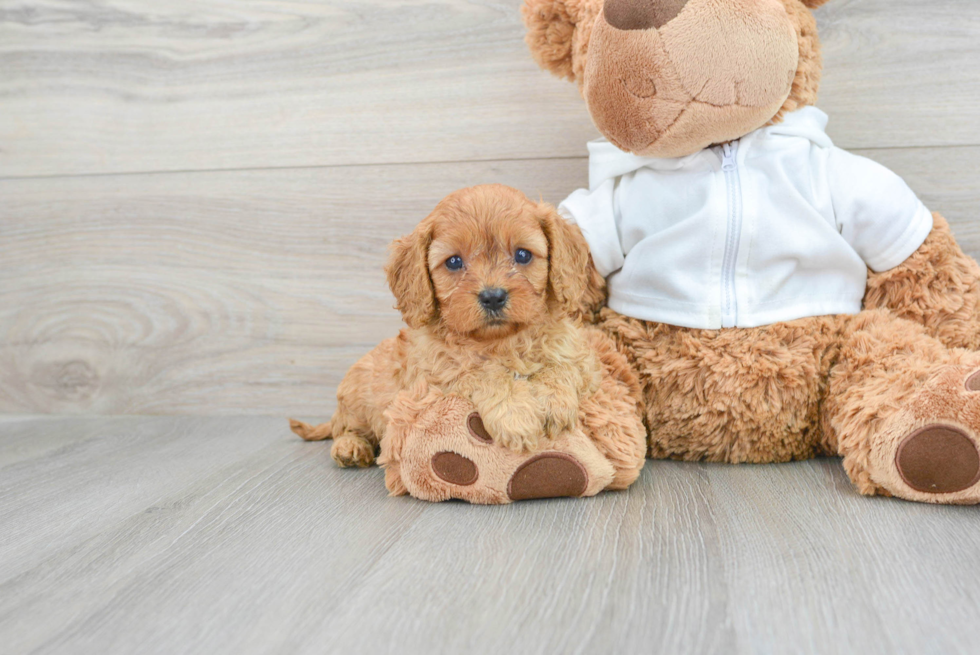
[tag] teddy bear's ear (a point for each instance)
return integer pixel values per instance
(813, 4)
(550, 33)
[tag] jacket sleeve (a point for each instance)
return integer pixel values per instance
(876, 212)
(595, 214)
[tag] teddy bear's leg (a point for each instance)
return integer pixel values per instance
(904, 412)
(739, 395)
(937, 287)
(436, 448)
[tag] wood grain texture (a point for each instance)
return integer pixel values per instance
(239, 292)
(293, 141)
(252, 291)
(132, 86)
(165, 535)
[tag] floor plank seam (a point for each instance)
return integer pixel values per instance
(315, 167)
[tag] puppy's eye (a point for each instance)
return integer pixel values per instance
(454, 263)
(522, 256)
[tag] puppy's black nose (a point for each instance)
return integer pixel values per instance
(493, 300)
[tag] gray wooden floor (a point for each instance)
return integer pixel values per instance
(228, 535)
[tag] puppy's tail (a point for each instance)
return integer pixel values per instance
(311, 432)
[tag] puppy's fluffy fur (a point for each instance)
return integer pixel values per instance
(525, 366)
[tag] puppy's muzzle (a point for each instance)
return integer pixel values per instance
(493, 300)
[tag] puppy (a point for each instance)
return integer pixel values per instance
(488, 285)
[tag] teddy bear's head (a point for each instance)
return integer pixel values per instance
(666, 78)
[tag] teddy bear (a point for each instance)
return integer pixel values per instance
(778, 298)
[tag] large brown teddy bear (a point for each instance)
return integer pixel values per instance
(779, 298)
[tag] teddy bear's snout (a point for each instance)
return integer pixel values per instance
(641, 14)
(666, 78)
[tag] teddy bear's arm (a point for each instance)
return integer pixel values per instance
(938, 287)
(918, 271)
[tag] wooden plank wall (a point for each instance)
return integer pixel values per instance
(196, 196)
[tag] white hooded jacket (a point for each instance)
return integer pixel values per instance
(776, 226)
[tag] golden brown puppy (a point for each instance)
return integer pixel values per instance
(486, 284)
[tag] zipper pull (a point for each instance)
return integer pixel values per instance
(730, 150)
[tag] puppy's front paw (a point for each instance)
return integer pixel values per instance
(559, 423)
(352, 451)
(559, 418)
(519, 431)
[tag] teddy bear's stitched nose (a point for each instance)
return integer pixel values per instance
(641, 14)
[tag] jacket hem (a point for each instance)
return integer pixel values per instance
(708, 317)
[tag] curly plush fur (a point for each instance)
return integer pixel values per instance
(854, 386)
(894, 390)
(938, 287)
(528, 368)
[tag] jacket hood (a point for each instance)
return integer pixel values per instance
(607, 162)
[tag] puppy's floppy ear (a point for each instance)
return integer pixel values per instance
(408, 276)
(813, 4)
(574, 284)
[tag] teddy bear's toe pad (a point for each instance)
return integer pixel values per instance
(477, 429)
(938, 459)
(548, 475)
(454, 468)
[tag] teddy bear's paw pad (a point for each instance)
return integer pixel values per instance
(938, 459)
(477, 430)
(973, 382)
(454, 468)
(548, 475)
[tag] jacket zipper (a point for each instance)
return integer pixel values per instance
(733, 183)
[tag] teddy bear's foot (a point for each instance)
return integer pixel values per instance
(447, 453)
(939, 459)
(929, 450)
